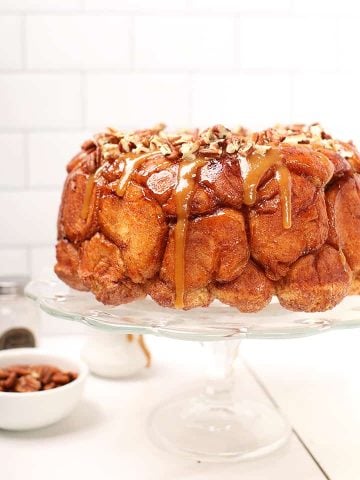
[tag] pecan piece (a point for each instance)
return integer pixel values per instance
(19, 369)
(49, 386)
(10, 381)
(60, 378)
(72, 376)
(27, 383)
(46, 374)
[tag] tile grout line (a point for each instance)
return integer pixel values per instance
(28, 260)
(292, 95)
(184, 13)
(22, 246)
(30, 130)
(132, 43)
(273, 401)
(26, 162)
(226, 70)
(23, 42)
(83, 96)
(237, 24)
(46, 188)
(190, 98)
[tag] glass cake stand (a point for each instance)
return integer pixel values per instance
(215, 423)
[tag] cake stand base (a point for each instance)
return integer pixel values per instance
(206, 433)
(215, 425)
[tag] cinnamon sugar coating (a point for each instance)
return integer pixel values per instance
(116, 238)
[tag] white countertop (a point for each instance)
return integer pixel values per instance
(315, 381)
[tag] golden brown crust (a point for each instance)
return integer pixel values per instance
(343, 205)
(216, 250)
(164, 294)
(67, 266)
(72, 225)
(137, 226)
(355, 284)
(102, 270)
(316, 282)
(251, 291)
(276, 248)
(120, 243)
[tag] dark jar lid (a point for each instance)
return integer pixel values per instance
(13, 284)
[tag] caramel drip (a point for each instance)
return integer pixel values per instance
(131, 161)
(253, 169)
(183, 194)
(87, 198)
(144, 348)
(283, 178)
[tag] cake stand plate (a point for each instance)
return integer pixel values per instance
(214, 423)
(216, 322)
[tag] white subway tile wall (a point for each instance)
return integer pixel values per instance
(12, 161)
(28, 218)
(29, 6)
(288, 43)
(10, 42)
(255, 99)
(236, 6)
(184, 43)
(71, 67)
(134, 99)
(47, 155)
(80, 42)
(40, 100)
(14, 261)
(42, 260)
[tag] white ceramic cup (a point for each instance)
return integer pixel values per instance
(113, 355)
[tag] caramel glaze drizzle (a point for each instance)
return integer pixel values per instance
(183, 195)
(132, 161)
(144, 348)
(253, 169)
(90, 184)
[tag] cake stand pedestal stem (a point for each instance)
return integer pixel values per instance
(219, 371)
(216, 424)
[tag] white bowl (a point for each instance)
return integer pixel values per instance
(25, 411)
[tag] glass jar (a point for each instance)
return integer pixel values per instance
(19, 316)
